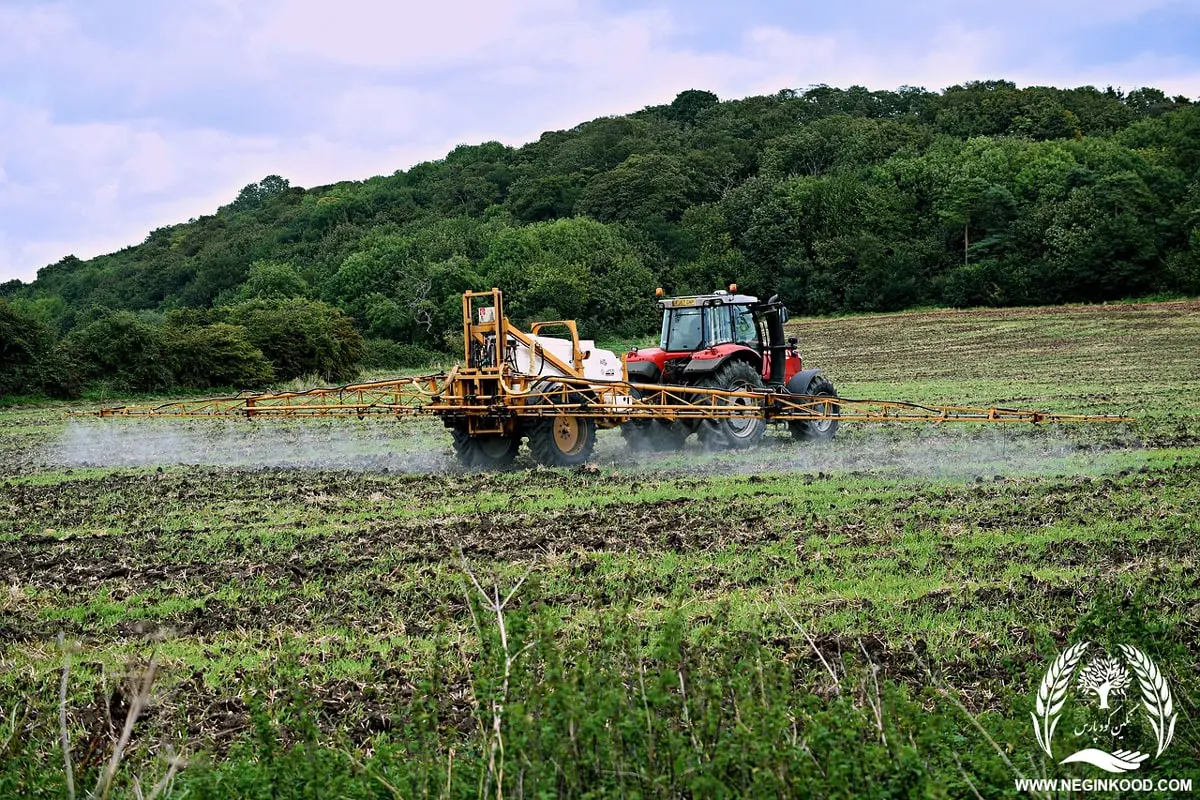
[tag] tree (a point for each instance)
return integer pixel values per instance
(254, 195)
(535, 198)
(1173, 137)
(273, 279)
(838, 141)
(1183, 266)
(121, 348)
(219, 355)
(300, 337)
(1104, 677)
(26, 353)
(839, 198)
(641, 188)
(407, 287)
(979, 108)
(1044, 117)
(575, 268)
(690, 104)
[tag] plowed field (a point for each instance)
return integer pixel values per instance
(316, 575)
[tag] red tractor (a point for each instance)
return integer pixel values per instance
(730, 341)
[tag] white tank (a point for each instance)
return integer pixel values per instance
(598, 365)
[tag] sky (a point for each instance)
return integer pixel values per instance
(121, 116)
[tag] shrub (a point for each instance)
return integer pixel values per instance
(215, 355)
(386, 354)
(120, 347)
(59, 374)
(300, 336)
(23, 343)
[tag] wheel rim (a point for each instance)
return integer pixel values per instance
(823, 425)
(740, 427)
(568, 435)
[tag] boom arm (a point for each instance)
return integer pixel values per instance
(611, 402)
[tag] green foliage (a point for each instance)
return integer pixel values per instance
(408, 287)
(23, 343)
(300, 337)
(122, 349)
(30, 361)
(640, 188)
(572, 269)
(201, 357)
(255, 195)
(273, 279)
(387, 354)
(537, 198)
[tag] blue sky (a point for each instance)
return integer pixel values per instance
(120, 116)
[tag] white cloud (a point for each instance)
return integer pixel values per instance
(381, 33)
(25, 31)
(374, 114)
(105, 136)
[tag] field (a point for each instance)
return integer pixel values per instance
(868, 618)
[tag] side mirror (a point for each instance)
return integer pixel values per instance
(783, 314)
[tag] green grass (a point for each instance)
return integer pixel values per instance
(314, 629)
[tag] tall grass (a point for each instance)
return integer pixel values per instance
(514, 709)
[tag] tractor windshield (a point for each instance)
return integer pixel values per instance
(692, 327)
(682, 330)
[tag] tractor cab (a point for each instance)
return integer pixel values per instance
(695, 323)
(702, 332)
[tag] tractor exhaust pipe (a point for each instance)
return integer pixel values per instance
(776, 343)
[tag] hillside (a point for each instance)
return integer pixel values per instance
(840, 200)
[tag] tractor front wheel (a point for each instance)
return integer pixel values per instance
(484, 451)
(733, 433)
(818, 430)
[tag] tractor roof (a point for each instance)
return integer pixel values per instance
(715, 298)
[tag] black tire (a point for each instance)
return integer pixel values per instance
(485, 451)
(652, 435)
(817, 430)
(563, 440)
(733, 433)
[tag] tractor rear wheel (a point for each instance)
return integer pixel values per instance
(563, 440)
(484, 451)
(818, 430)
(733, 433)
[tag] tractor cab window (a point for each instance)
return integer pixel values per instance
(744, 329)
(683, 330)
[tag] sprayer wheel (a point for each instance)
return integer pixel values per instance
(733, 433)
(484, 451)
(821, 430)
(562, 440)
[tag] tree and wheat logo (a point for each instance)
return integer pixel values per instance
(1105, 714)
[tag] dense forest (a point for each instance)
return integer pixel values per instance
(840, 200)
